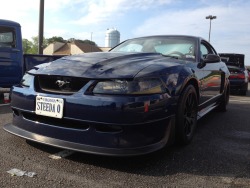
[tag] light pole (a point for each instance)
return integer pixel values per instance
(41, 23)
(211, 18)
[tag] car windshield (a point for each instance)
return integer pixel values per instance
(177, 47)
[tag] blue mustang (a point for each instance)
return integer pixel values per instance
(135, 99)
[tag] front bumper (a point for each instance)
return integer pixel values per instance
(93, 149)
(116, 126)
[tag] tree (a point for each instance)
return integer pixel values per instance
(27, 46)
(35, 44)
(31, 47)
(55, 39)
(71, 40)
(86, 41)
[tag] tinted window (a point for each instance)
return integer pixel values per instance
(206, 49)
(7, 37)
(182, 48)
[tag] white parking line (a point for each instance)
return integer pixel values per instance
(7, 104)
(61, 154)
(241, 101)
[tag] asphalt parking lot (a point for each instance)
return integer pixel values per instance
(219, 156)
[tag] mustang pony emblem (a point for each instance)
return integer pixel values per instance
(61, 83)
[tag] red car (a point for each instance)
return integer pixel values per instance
(248, 69)
(239, 75)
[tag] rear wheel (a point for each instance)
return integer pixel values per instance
(243, 93)
(186, 117)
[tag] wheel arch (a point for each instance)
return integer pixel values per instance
(191, 81)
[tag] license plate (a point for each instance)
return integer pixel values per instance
(48, 106)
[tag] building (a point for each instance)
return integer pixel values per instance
(112, 38)
(75, 47)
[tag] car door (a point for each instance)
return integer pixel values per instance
(211, 82)
(10, 57)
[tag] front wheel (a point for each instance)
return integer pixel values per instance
(186, 117)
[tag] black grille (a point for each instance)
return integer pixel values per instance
(66, 123)
(71, 124)
(59, 84)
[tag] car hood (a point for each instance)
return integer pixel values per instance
(105, 65)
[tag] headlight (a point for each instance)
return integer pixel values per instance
(27, 80)
(138, 86)
(172, 80)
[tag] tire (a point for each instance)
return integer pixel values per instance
(224, 100)
(243, 93)
(186, 116)
(244, 89)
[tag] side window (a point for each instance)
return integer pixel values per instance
(7, 37)
(206, 49)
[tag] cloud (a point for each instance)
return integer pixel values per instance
(106, 10)
(80, 18)
(229, 32)
(15, 10)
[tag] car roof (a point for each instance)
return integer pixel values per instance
(9, 23)
(181, 36)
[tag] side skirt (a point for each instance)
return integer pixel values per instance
(206, 110)
(208, 106)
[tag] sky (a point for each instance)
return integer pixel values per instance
(89, 19)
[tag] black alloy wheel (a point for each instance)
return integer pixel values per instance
(186, 117)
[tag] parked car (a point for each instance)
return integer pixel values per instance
(135, 99)
(248, 69)
(239, 76)
(13, 63)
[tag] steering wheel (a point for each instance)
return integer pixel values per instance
(176, 53)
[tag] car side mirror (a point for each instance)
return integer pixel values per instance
(212, 58)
